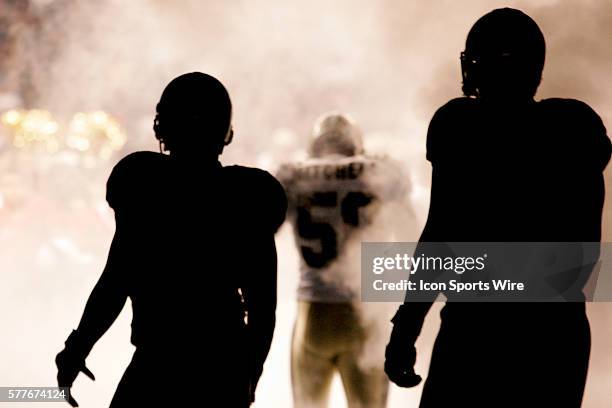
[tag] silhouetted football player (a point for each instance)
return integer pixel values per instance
(333, 196)
(194, 251)
(507, 168)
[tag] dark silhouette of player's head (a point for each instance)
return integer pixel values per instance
(194, 115)
(503, 57)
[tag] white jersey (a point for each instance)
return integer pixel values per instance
(331, 201)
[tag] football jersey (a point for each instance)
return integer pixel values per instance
(191, 232)
(529, 174)
(331, 200)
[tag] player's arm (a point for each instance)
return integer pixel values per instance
(106, 299)
(411, 315)
(400, 354)
(445, 183)
(109, 294)
(259, 293)
(408, 321)
(591, 151)
(103, 306)
(260, 283)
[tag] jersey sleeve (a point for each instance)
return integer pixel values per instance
(446, 122)
(276, 210)
(590, 143)
(130, 181)
(264, 196)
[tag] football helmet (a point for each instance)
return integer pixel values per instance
(336, 133)
(194, 110)
(504, 55)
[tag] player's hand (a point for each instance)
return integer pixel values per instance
(68, 368)
(400, 356)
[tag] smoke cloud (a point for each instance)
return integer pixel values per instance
(389, 64)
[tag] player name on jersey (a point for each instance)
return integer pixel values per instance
(338, 171)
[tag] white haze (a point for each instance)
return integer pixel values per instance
(390, 64)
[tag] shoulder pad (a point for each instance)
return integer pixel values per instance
(132, 177)
(582, 129)
(448, 119)
(261, 192)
